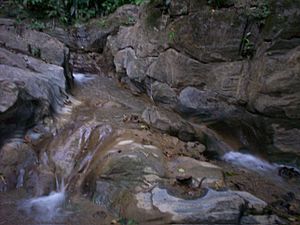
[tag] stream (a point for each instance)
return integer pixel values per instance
(100, 146)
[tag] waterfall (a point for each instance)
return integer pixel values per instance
(249, 161)
(47, 208)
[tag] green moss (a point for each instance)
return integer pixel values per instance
(102, 23)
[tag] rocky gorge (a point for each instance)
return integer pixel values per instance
(174, 112)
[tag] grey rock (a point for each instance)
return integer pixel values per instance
(195, 149)
(8, 95)
(178, 70)
(286, 139)
(261, 219)
(34, 43)
(37, 86)
(277, 93)
(210, 37)
(127, 61)
(163, 93)
(130, 173)
(30, 91)
(169, 122)
(39, 45)
(201, 48)
(205, 104)
(215, 207)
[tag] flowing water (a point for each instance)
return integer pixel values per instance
(74, 150)
(78, 137)
(47, 208)
(249, 161)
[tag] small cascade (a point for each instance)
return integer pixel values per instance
(47, 208)
(248, 161)
(80, 78)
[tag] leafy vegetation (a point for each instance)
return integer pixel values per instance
(68, 11)
(171, 36)
(248, 48)
(37, 25)
(259, 12)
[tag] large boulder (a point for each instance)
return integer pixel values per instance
(36, 44)
(221, 60)
(206, 104)
(31, 95)
(31, 90)
(137, 181)
(170, 122)
(35, 75)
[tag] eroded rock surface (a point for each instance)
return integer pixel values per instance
(35, 75)
(198, 57)
(135, 175)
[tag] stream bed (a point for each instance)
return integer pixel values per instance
(102, 164)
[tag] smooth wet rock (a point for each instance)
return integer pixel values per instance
(128, 167)
(215, 207)
(66, 151)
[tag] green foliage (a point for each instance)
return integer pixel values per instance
(68, 11)
(102, 23)
(171, 36)
(259, 12)
(37, 25)
(248, 48)
(36, 52)
(130, 20)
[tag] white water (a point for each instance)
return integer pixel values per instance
(81, 78)
(46, 208)
(248, 161)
